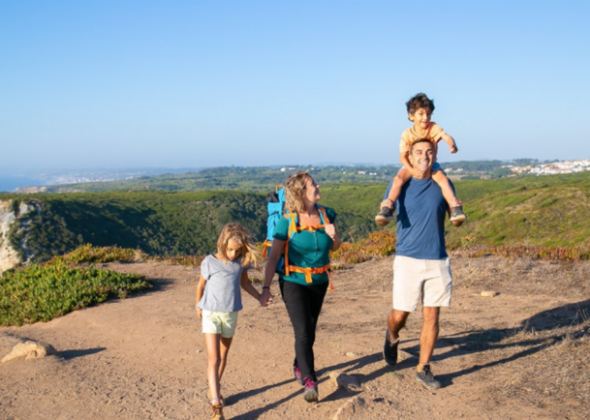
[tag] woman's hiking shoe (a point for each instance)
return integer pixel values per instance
(297, 374)
(384, 216)
(457, 215)
(217, 412)
(311, 390)
(427, 378)
(390, 350)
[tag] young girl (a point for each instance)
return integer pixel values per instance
(219, 300)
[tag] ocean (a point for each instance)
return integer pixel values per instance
(10, 183)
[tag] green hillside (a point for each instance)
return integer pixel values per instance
(157, 223)
(532, 211)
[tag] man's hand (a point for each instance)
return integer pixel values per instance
(454, 148)
(200, 313)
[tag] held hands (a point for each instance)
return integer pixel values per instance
(266, 298)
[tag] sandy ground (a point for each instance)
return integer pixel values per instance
(144, 357)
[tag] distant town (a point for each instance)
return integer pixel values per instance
(553, 168)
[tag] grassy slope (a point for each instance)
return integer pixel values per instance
(541, 211)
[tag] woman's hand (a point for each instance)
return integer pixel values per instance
(200, 313)
(331, 231)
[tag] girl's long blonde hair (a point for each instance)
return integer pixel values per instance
(241, 235)
(294, 190)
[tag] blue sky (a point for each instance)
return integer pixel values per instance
(128, 84)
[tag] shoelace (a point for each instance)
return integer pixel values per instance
(310, 383)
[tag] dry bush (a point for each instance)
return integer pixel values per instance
(377, 245)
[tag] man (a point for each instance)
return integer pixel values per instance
(421, 267)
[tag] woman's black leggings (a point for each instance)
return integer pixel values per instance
(304, 304)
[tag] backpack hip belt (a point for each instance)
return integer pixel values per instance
(308, 271)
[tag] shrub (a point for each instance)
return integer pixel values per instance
(90, 254)
(377, 244)
(41, 293)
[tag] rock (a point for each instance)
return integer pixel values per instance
(350, 383)
(351, 409)
(29, 350)
(489, 293)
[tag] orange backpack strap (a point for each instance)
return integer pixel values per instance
(293, 228)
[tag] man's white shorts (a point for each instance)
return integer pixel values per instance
(223, 323)
(414, 280)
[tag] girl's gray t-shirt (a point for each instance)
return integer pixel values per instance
(222, 292)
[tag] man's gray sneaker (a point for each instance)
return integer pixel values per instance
(427, 378)
(390, 350)
(457, 215)
(384, 216)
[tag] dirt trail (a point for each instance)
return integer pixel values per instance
(144, 357)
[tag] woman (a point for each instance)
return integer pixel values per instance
(305, 280)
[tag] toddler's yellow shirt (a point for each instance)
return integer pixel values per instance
(409, 136)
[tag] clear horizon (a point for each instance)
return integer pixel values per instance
(260, 83)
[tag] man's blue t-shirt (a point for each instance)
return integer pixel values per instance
(421, 211)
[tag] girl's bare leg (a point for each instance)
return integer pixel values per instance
(212, 342)
(224, 350)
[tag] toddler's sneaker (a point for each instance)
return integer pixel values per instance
(311, 391)
(457, 215)
(384, 216)
(297, 374)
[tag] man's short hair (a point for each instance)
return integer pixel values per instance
(419, 141)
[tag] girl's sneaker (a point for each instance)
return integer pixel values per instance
(311, 391)
(217, 412)
(297, 373)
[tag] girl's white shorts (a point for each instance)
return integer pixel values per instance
(223, 323)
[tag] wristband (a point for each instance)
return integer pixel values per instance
(265, 287)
